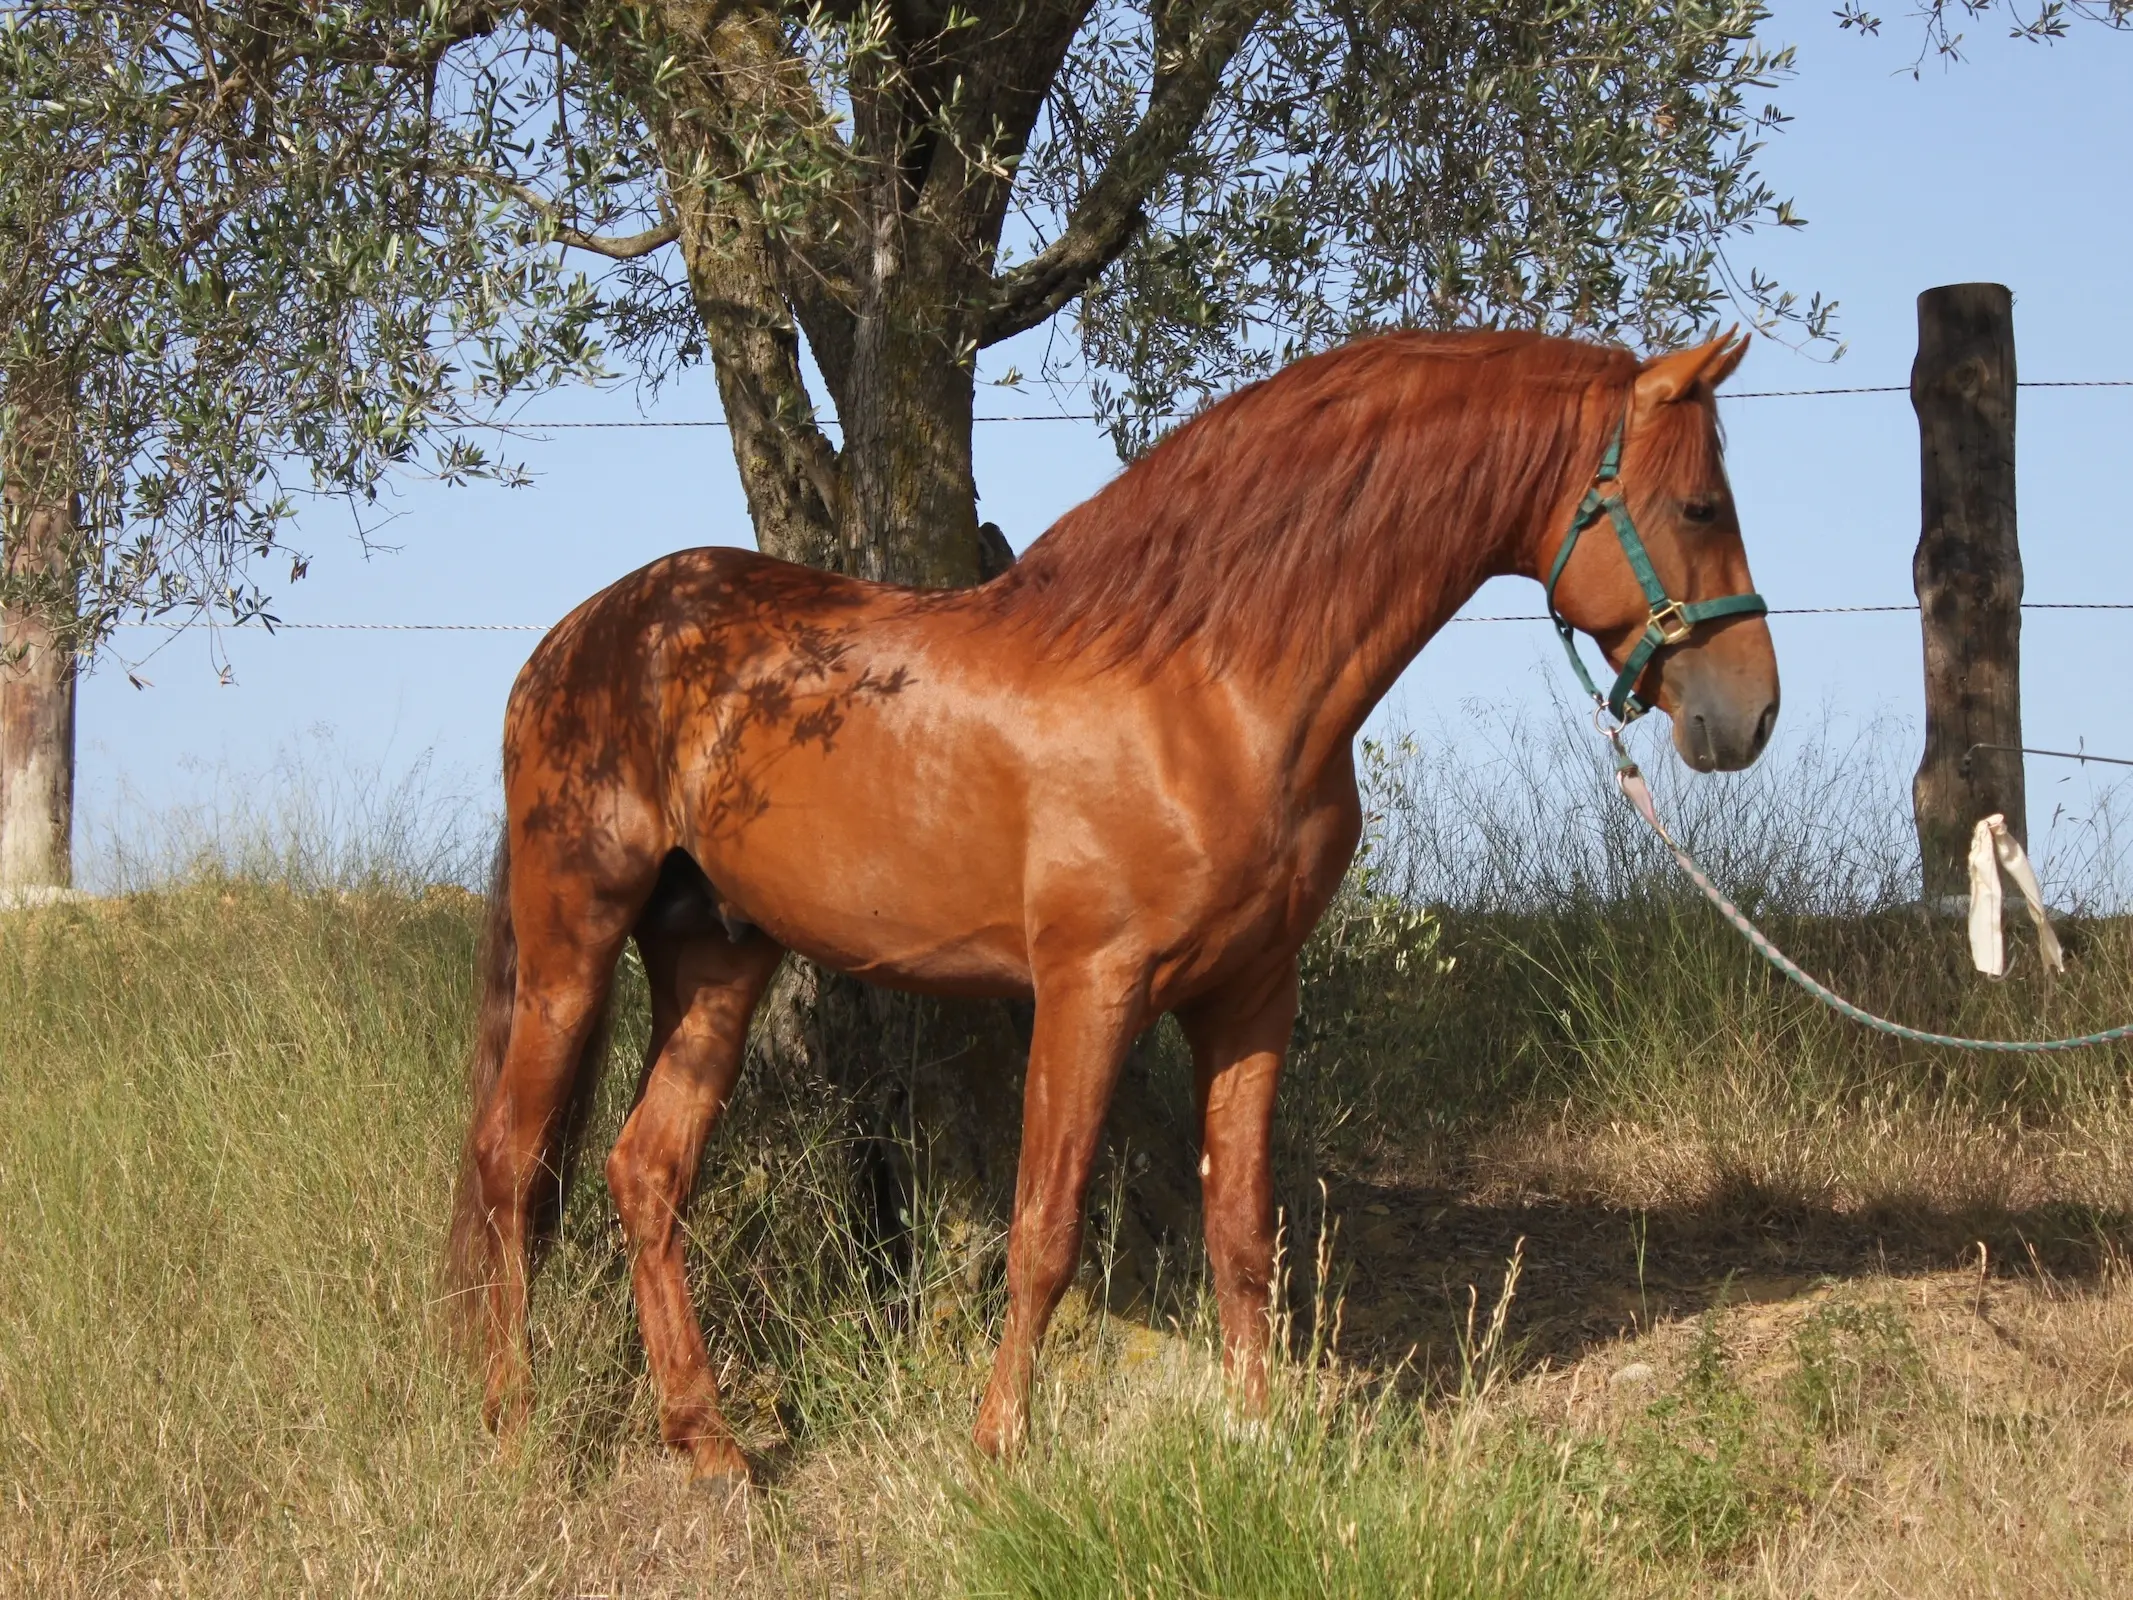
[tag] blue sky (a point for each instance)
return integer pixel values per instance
(2011, 167)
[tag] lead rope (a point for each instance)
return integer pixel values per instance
(1639, 795)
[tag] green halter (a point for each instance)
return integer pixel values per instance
(1670, 621)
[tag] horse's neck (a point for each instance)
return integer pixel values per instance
(1355, 673)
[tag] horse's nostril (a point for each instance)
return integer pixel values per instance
(1703, 754)
(1764, 723)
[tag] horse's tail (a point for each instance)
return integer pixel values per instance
(467, 1254)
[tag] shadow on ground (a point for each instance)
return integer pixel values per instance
(1593, 1273)
(1410, 1264)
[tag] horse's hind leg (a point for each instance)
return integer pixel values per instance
(704, 988)
(566, 964)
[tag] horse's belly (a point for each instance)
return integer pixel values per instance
(857, 867)
(921, 944)
(968, 964)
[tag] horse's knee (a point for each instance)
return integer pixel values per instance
(1246, 1290)
(1238, 1198)
(1240, 1243)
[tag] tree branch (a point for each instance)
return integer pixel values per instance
(982, 100)
(627, 248)
(275, 33)
(730, 79)
(1110, 213)
(757, 79)
(789, 469)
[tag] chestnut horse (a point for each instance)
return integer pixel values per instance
(1117, 779)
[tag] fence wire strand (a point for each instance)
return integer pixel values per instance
(278, 626)
(530, 427)
(1172, 416)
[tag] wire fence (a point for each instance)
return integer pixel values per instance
(276, 625)
(1171, 416)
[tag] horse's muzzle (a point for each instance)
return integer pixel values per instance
(1715, 735)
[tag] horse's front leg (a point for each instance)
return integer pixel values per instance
(1239, 1036)
(1084, 1026)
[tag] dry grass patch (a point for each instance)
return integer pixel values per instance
(2018, 1478)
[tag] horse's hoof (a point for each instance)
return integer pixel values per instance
(719, 1470)
(996, 1440)
(723, 1486)
(509, 1426)
(507, 1404)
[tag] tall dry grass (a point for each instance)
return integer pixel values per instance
(1588, 1026)
(228, 1123)
(229, 1108)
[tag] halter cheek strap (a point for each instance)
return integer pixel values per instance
(1669, 621)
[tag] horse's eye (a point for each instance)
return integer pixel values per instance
(1700, 510)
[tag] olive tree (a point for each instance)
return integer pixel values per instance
(1941, 22)
(838, 207)
(207, 314)
(265, 248)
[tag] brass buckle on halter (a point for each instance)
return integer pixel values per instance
(1673, 627)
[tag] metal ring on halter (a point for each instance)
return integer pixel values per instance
(1670, 624)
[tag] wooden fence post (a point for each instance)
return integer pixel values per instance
(1968, 575)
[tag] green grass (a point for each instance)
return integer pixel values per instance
(1347, 1501)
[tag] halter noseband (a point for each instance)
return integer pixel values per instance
(1670, 621)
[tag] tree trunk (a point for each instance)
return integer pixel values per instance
(1968, 574)
(888, 297)
(788, 469)
(913, 507)
(36, 656)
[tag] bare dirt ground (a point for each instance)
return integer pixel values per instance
(1595, 1274)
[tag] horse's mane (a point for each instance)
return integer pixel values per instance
(1275, 519)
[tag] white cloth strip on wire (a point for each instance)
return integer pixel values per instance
(1994, 850)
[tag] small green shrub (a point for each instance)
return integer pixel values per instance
(1186, 1502)
(1709, 1469)
(1858, 1370)
(1695, 1482)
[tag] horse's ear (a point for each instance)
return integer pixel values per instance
(1729, 358)
(1662, 380)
